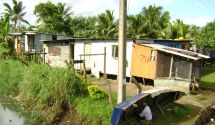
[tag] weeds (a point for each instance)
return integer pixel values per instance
(10, 76)
(95, 109)
(46, 92)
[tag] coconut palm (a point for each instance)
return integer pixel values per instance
(106, 25)
(154, 21)
(179, 30)
(16, 13)
(63, 11)
(134, 23)
(4, 28)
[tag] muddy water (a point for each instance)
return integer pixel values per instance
(9, 117)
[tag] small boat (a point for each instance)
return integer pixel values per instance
(206, 116)
(126, 113)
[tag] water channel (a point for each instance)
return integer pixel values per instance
(10, 117)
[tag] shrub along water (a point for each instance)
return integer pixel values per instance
(10, 77)
(46, 92)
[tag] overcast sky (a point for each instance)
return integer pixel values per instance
(197, 12)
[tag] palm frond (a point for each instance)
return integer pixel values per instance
(8, 7)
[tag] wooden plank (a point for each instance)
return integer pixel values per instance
(139, 88)
(160, 109)
(96, 54)
(78, 61)
(170, 69)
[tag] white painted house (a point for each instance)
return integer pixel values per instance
(90, 50)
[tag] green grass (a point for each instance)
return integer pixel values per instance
(95, 109)
(3, 50)
(10, 76)
(177, 114)
(208, 79)
(46, 92)
(201, 98)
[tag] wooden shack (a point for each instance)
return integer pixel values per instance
(166, 66)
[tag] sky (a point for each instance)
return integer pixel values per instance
(197, 12)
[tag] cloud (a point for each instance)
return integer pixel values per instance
(199, 21)
(135, 6)
(94, 7)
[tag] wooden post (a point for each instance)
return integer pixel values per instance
(44, 56)
(80, 64)
(170, 70)
(71, 55)
(190, 76)
(176, 72)
(35, 56)
(105, 77)
(144, 82)
(139, 88)
(84, 62)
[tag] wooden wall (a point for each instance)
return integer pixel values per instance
(141, 64)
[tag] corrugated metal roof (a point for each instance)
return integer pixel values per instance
(176, 51)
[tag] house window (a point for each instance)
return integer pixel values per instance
(54, 37)
(183, 46)
(152, 56)
(31, 43)
(115, 51)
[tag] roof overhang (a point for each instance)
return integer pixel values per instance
(16, 34)
(178, 52)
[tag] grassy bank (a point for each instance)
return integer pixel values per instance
(207, 80)
(46, 92)
(95, 109)
(4, 51)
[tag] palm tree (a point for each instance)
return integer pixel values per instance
(16, 13)
(4, 28)
(134, 24)
(179, 29)
(154, 21)
(83, 26)
(63, 11)
(106, 25)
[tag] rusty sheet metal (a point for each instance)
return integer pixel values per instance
(54, 51)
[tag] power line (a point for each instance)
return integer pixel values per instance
(212, 3)
(204, 2)
(201, 7)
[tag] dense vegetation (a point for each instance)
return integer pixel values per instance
(46, 92)
(206, 37)
(152, 22)
(207, 80)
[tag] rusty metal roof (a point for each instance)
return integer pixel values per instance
(178, 52)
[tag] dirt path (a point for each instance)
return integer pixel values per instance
(198, 101)
(201, 100)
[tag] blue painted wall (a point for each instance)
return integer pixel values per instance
(168, 43)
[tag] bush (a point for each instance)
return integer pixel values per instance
(50, 90)
(96, 92)
(86, 106)
(45, 92)
(3, 51)
(11, 73)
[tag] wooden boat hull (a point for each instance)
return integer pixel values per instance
(125, 113)
(205, 116)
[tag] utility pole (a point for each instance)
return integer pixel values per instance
(122, 51)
